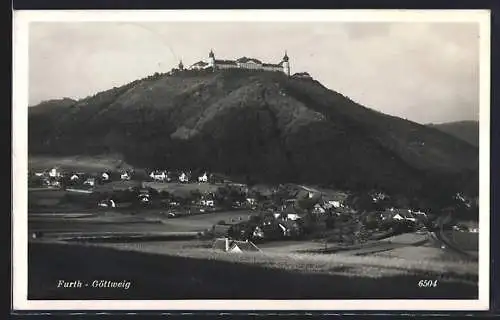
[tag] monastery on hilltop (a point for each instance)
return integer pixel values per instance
(241, 63)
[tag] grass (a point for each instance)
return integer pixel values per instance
(178, 188)
(466, 241)
(321, 263)
(57, 200)
(211, 275)
(77, 163)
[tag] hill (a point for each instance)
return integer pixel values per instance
(468, 131)
(260, 125)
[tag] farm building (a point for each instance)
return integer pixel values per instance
(227, 245)
(243, 246)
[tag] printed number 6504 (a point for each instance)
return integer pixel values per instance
(427, 283)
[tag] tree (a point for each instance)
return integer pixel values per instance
(195, 194)
(361, 202)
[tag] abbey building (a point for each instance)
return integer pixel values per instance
(241, 63)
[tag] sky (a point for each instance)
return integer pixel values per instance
(427, 72)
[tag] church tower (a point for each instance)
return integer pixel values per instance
(181, 65)
(286, 65)
(211, 60)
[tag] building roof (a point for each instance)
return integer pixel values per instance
(243, 246)
(200, 64)
(246, 60)
(228, 62)
(302, 74)
(277, 65)
(396, 211)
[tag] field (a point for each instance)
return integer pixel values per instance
(56, 200)
(466, 241)
(190, 269)
(181, 189)
(204, 274)
(77, 163)
(146, 222)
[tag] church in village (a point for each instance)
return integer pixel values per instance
(242, 63)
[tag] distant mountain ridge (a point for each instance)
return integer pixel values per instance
(262, 125)
(467, 131)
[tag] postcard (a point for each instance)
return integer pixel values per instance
(251, 160)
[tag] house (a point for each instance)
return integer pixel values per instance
(74, 177)
(378, 196)
(39, 174)
(234, 246)
(243, 246)
(286, 216)
(251, 201)
(144, 198)
(107, 204)
(203, 178)
(302, 75)
(105, 176)
(318, 209)
(158, 175)
(335, 200)
(89, 182)
(200, 65)
(54, 173)
(183, 178)
(399, 215)
(125, 176)
(207, 203)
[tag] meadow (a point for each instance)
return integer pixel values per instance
(205, 274)
(466, 241)
(77, 163)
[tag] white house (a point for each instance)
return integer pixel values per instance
(125, 176)
(107, 204)
(207, 203)
(242, 246)
(158, 175)
(318, 209)
(292, 216)
(89, 182)
(203, 178)
(74, 177)
(397, 216)
(105, 176)
(251, 201)
(183, 177)
(335, 203)
(54, 173)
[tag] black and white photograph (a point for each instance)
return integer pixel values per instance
(251, 159)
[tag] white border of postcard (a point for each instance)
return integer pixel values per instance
(21, 20)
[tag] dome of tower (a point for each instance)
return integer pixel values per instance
(285, 58)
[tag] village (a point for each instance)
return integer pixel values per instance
(254, 214)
